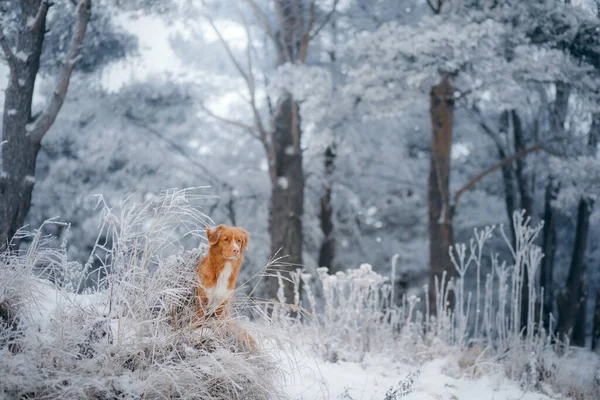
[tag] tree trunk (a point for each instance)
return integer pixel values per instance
(558, 118)
(596, 326)
(285, 154)
(19, 151)
(22, 132)
(581, 317)
(440, 209)
(526, 204)
(327, 251)
(508, 177)
(573, 296)
(549, 250)
(287, 196)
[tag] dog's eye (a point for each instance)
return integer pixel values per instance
(226, 239)
(239, 241)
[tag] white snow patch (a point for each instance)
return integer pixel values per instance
(371, 211)
(312, 378)
(21, 82)
(289, 151)
(12, 112)
(30, 179)
(283, 182)
(21, 55)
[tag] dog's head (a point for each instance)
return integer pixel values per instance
(229, 241)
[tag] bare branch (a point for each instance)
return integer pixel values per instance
(228, 121)
(495, 136)
(493, 168)
(40, 18)
(435, 9)
(306, 36)
(42, 124)
(227, 48)
(282, 35)
(142, 124)
(326, 20)
(263, 20)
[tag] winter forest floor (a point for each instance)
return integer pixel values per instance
(131, 340)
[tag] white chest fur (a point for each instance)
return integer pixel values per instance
(219, 293)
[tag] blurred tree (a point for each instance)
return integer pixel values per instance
(22, 131)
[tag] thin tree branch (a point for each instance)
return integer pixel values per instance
(263, 20)
(493, 168)
(41, 15)
(282, 35)
(326, 20)
(142, 124)
(437, 9)
(495, 136)
(42, 124)
(306, 36)
(229, 121)
(258, 131)
(227, 48)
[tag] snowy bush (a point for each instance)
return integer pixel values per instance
(133, 335)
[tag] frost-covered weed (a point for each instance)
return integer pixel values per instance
(357, 315)
(404, 387)
(133, 336)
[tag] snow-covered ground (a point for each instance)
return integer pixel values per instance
(308, 378)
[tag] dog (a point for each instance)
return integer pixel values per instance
(218, 271)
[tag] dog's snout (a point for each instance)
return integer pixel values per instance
(236, 250)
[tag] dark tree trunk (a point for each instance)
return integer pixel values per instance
(285, 154)
(525, 192)
(440, 209)
(21, 132)
(526, 204)
(549, 250)
(581, 317)
(287, 195)
(508, 177)
(558, 118)
(572, 297)
(19, 151)
(327, 251)
(596, 326)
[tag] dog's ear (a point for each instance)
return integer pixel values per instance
(245, 237)
(213, 233)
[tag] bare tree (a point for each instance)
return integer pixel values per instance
(281, 137)
(22, 132)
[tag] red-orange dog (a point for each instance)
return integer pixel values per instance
(219, 270)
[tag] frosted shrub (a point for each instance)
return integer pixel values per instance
(133, 336)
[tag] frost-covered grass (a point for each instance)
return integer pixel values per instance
(134, 336)
(356, 319)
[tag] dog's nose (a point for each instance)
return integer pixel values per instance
(236, 250)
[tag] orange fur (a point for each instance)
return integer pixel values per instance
(227, 245)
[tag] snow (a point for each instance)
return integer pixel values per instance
(283, 182)
(12, 111)
(21, 55)
(310, 378)
(30, 179)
